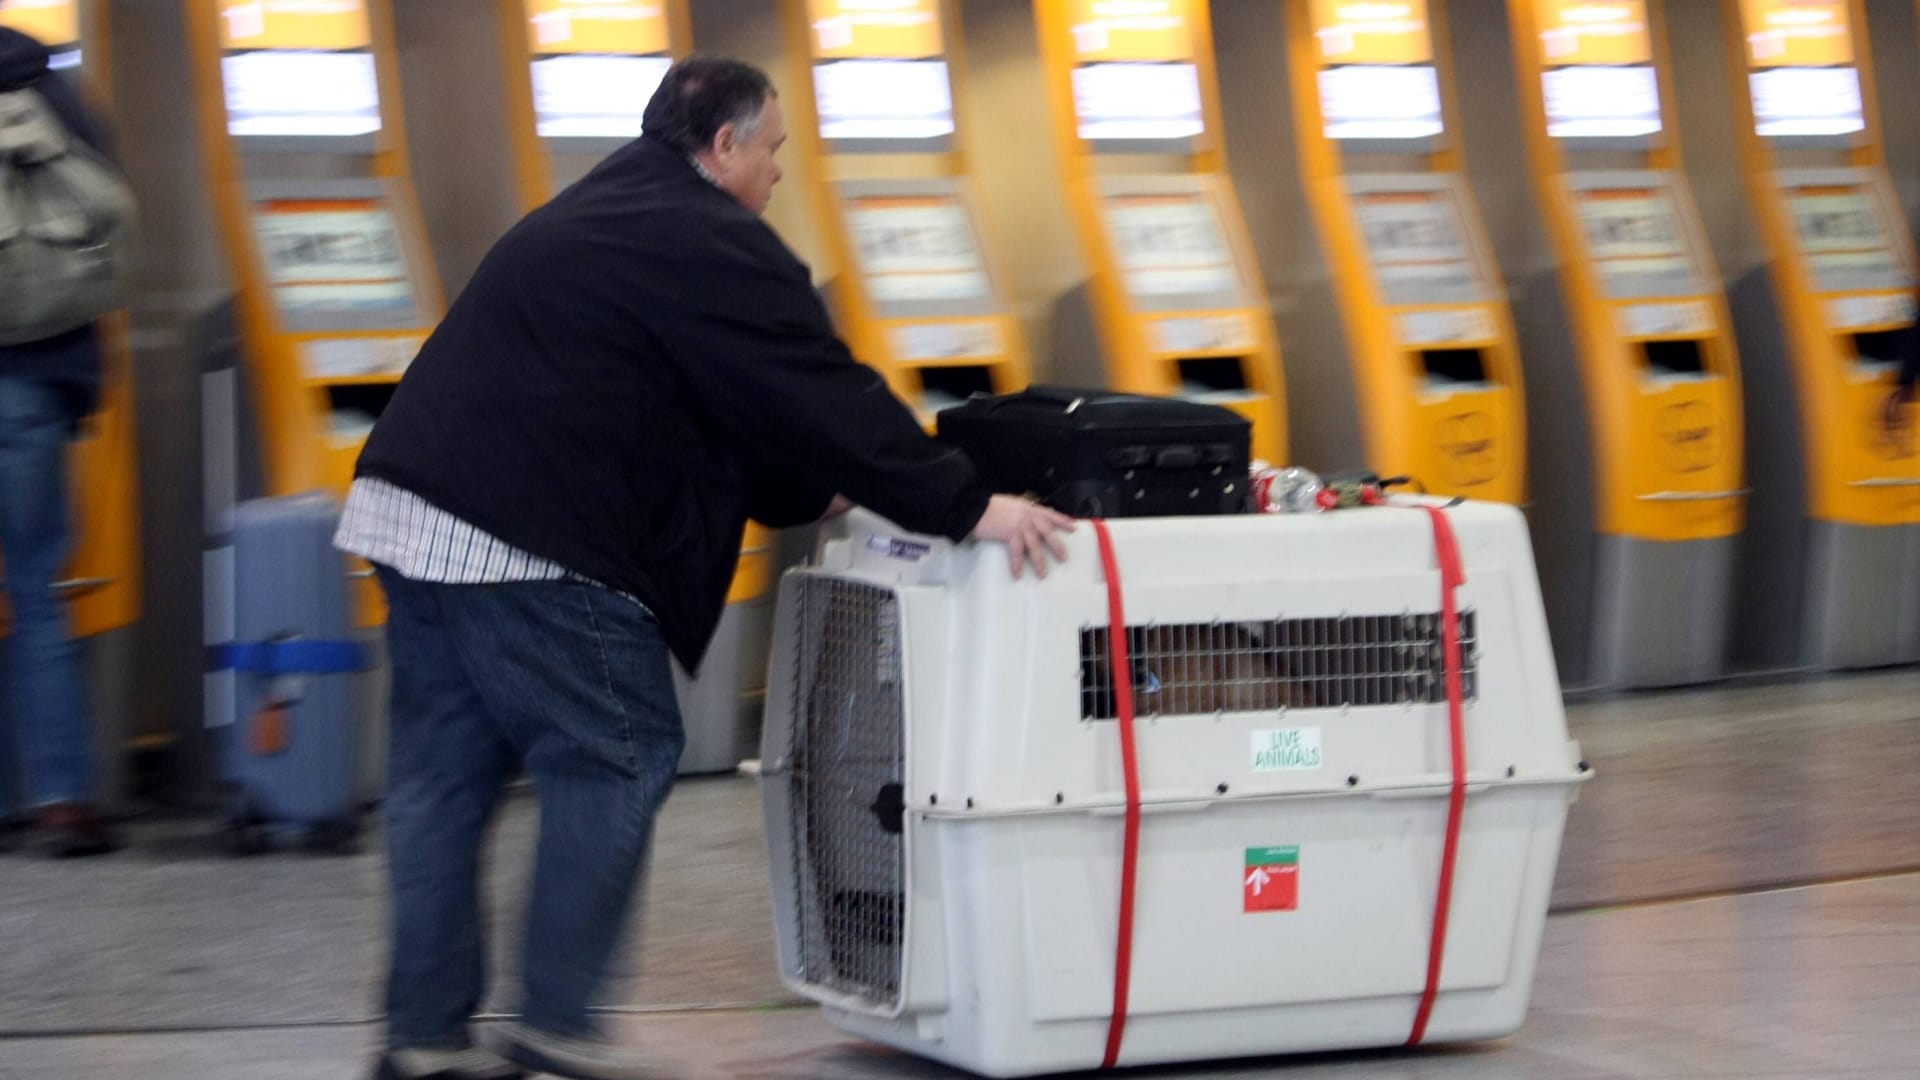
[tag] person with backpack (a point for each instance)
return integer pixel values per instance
(64, 216)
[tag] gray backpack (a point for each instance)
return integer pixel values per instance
(66, 223)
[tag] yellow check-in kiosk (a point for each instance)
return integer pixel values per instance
(1175, 303)
(1842, 275)
(306, 159)
(918, 291)
(102, 583)
(1419, 298)
(579, 74)
(1652, 336)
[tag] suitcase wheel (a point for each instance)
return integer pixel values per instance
(245, 833)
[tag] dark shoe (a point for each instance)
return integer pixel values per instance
(74, 831)
(472, 1063)
(581, 1058)
(13, 834)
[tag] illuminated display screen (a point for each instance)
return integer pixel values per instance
(1807, 101)
(917, 249)
(1637, 240)
(1843, 234)
(1416, 245)
(301, 92)
(335, 257)
(1138, 101)
(1595, 101)
(1171, 245)
(884, 99)
(586, 96)
(1381, 101)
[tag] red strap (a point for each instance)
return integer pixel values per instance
(1122, 667)
(1452, 575)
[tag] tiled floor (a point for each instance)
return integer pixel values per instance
(170, 962)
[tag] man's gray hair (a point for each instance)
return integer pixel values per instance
(702, 94)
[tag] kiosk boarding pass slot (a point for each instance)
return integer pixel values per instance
(298, 74)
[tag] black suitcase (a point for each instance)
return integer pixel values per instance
(1095, 453)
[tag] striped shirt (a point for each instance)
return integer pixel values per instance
(391, 526)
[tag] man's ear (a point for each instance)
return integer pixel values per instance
(726, 140)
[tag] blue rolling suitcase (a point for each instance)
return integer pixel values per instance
(290, 751)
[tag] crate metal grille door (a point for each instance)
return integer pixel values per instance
(1193, 669)
(847, 764)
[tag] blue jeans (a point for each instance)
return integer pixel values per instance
(574, 681)
(47, 710)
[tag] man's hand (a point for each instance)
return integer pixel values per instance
(1028, 529)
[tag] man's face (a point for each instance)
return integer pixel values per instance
(746, 165)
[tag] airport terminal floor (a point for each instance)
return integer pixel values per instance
(1738, 896)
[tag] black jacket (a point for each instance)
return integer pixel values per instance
(635, 369)
(70, 361)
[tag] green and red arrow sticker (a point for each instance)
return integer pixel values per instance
(1272, 879)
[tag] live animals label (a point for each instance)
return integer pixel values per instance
(1287, 750)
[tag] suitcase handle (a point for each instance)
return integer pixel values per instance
(1067, 398)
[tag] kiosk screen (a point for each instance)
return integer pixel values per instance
(1381, 101)
(589, 96)
(1138, 101)
(917, 249)
(884, 99)
(301, 92)
(1171, 245)
(1602, 101)
(1807, 101)
(334, 258)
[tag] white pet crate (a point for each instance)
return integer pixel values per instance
(944, 788)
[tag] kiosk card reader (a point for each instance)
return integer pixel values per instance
(101, 585)
(1842, 275)
(1420, 301)
(1175, 298)
(1652, 335)
(918, 292)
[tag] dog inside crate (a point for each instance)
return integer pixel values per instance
(1258, 666)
